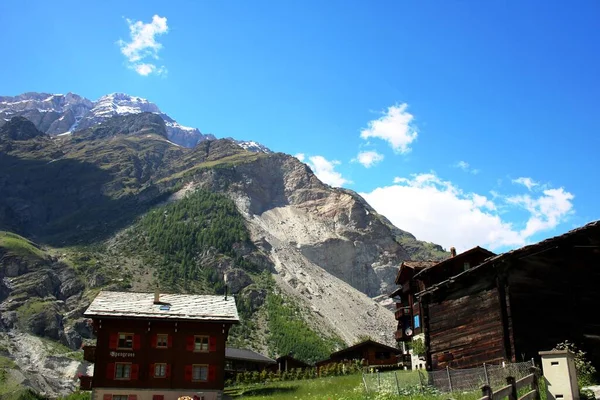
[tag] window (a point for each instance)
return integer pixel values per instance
(417, 321)
(466, 266)
(125, 341)
(200, 373)
(119, 397)
(228, 365)
(382, 355)
(201, 343)
(160, 370)
(122, 371)
(162, 341)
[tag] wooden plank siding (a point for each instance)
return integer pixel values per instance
(467, 331)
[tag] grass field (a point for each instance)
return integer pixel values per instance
(348, 387)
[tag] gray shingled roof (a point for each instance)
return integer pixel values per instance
(172, 306)
(247, 355)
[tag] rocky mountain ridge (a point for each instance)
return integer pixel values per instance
(58, 114)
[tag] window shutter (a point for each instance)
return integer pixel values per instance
(212, 343)
(107, 397)
(154, 341)
(137, 342)
(158, 397)
(132, 397)
(151, 374)
(212, 373)
(113, 341)
(188, 373)
(110, 371)
(135, 371)
(169, 341)
(190, 343)
(168, 371)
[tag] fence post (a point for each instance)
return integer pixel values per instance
(486, 391)
(513, 391)
(365, 383)
(535, 385)
(379, 381)
(487, 378)
(421, 378)
(397, 384)
(532, 362)
(449, 378)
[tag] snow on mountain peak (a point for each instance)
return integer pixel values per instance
(57, 114)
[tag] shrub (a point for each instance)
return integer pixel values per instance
(585, 369)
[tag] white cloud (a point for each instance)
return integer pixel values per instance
(300, 156)
(546, 211)
(325, 171)
(146, 69)
(368, 158)
(465, 166)
(395, 127)
(437, 211)
(527, 182)
(143, 45)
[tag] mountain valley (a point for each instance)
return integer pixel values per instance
(116, 195)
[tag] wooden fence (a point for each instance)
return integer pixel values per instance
(513, 386)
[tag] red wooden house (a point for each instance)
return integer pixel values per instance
(158, 347)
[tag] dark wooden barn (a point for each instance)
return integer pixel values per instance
(244, 360)
(367, 352)
(288, 363)
(414, 276)
(511, 306)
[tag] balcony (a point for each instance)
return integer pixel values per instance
(89, 353)
(398, 314)
(85, 382)
(401, 312)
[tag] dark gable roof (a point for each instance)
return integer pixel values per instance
(476, 249)
(247, 355)
(365, 343)
(416, 265)
(530, 250)
(290, 358)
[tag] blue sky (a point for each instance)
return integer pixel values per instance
(509, 88)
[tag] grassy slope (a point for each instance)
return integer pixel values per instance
(18, 246)
(347, 387)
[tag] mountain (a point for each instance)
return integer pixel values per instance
(118, 205)
(19, 128)
(57, 114)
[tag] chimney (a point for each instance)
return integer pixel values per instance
(452, 251)
(156, 296)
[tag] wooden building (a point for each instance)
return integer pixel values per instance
(511, 306)
(243, 360)
(158, 347)
(369, 353)
(415, 276)
(288, 363)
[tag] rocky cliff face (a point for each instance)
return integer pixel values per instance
(40, 297)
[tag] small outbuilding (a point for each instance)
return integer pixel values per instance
(244, 360)
(288, 363)
(368, 353)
